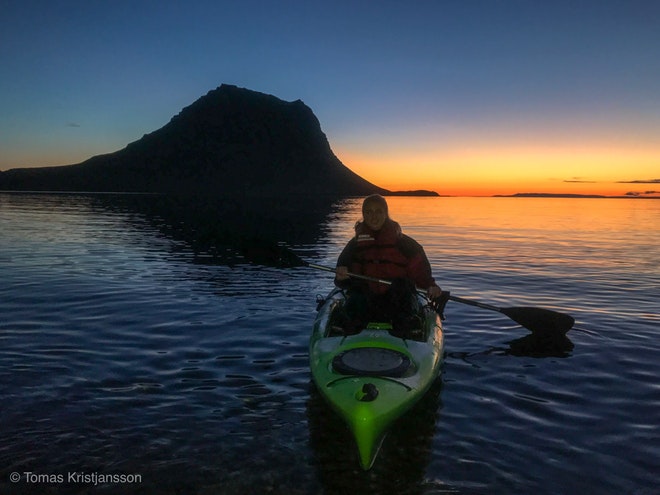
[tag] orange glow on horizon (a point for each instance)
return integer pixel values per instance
(607, 172)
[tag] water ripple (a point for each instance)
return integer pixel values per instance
(125, 349)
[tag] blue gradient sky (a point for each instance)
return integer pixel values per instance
(464, 97)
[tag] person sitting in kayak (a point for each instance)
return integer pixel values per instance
(379, 249)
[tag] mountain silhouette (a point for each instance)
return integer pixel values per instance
(232, 141)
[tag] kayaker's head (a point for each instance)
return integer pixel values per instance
(374, 211)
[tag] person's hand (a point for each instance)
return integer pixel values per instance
(341, 273)
(434, 291)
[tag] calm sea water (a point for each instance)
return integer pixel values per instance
(135, 340)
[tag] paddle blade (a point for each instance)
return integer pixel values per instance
(540, 320)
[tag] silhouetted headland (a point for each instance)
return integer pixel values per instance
(230, 142)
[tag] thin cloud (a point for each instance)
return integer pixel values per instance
(639, 181)
(72, 124)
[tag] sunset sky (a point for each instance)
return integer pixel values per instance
(463, 97)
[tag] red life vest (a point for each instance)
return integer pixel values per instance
(378, 254)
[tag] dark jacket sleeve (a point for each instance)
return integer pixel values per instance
(346, 256)
(419, 268)
(346, 259)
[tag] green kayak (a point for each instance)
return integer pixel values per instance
(370, 378)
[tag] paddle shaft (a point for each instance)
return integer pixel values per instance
(361, 277)
(538, 320)
(535, 319)
(353, 275)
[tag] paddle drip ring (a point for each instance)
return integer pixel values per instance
(371, 361)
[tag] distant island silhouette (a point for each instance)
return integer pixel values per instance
(560, 195)
(548, 195)
(232, 142)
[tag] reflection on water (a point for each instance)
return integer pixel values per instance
(135, 338)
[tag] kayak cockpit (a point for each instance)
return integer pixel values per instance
(339, 324)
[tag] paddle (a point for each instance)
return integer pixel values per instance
(537, 320)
